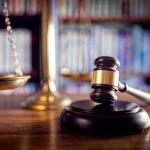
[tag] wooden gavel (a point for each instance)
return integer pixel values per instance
(106, 74)
(108, 115)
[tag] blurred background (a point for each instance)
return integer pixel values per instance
(84, 30)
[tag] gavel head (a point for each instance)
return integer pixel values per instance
(105, 79)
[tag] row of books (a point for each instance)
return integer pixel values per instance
(81, 44)
(103, 8)
(23, 40)
(22, 7)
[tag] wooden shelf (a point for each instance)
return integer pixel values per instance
(104, 19)
(23, 21)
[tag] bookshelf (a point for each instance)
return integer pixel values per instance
(25, 16)
(66, 20)
(91, 28)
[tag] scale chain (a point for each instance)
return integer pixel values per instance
(9, 30)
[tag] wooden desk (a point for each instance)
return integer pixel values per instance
(40, 130)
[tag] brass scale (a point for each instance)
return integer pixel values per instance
(48, 97)
(10, 81)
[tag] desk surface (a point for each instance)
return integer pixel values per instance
(40, 130)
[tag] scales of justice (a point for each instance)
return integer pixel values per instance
(48, 97)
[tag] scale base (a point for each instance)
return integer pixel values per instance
(46, 99)
(119, 118)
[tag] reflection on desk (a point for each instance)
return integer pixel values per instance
(40, 130)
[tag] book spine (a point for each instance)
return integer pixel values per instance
(137, 48)
(146, 52)
(1, 51)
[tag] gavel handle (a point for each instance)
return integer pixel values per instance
(123, 87)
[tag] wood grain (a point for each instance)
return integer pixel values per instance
(40, 130)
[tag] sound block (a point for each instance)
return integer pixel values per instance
(119, 118)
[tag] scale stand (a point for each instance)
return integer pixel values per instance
(104, 114)
(48, 97)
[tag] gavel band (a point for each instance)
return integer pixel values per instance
(108, 77)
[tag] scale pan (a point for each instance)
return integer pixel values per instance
(11, 81)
